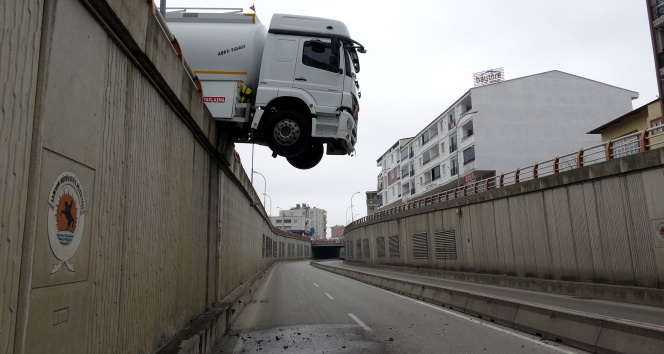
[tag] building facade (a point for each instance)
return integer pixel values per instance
(656, 24)
(498, 128)
(309, 220)
(337, 231)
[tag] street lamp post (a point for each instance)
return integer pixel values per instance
(270, 204)
(351, 207)
(264, 186)
(347, 215)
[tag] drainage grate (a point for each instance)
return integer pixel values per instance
(445, 244)
(420, 246)
(380, 247)
(393, 242)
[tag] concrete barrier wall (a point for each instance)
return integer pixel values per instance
(126, 213)
(20, 22)
(601, 223)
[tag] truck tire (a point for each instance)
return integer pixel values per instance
(309, 158)
(288, 133)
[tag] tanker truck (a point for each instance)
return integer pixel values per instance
(292, 87)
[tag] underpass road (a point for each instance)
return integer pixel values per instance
(302, 309)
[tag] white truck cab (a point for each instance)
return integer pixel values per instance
(302, 75)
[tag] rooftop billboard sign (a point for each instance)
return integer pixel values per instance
(489, 77)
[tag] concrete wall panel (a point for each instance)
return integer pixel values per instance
(640, 235)
(518, 219)
(479, 240)
(611, 202)
(580, 233)
(504, 234)
(553, 235)
(20, 35)
(598, 246)
(563, 223)
(538, 233)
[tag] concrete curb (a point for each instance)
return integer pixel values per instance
(629, 294)
(582, 330)
(206, 330)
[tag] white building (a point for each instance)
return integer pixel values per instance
(498, 128)
(303, 218)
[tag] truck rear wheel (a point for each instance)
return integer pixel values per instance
(288, 133)
(307, 159)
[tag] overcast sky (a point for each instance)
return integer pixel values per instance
(420, 59)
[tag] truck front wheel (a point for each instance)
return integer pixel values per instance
(288, 133)
(309, 158)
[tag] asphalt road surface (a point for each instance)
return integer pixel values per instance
(302, 309)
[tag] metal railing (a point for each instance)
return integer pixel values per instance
(631, 144)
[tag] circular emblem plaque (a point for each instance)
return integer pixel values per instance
(66, 206)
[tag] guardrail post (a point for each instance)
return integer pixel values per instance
(500, 180)
(555, 165)
(464, 189)
(516, 176)
(642, 141)
(535, 171)
(609, 150)
(475, 188)
(579, 158)
(488, 184)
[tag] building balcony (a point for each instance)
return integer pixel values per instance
(468, 135)
(658, 14)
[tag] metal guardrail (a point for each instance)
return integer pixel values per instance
(631, 144)
(326, 242)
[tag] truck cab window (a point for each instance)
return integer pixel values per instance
(319, 55)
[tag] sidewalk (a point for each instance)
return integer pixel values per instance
(594, 325)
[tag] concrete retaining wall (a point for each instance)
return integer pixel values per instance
(162, 229)
(585, 331)
(599, 224)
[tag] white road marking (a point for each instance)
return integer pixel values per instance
(453, 313)
(330, 296)
(366, 328)
(307, 278)
(316, 285)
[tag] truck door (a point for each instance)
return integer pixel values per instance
(317, 71)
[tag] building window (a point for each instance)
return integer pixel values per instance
(420, 161)
(287, 221)
(453, 143)
(444, 170)
(421, 181)
(412, 169)
(452, 120)
(425, 137)
(469, 155)
(404, 154)
(426, 157)
(392, 190)
(454, 167)
(656, 123)
(412, 187)
(319, 55)
(410, 151)
(435, 173)
(404, 172)
(442, 148)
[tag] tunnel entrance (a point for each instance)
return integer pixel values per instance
(327, 252)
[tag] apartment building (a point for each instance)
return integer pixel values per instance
(304, 218)
(388, 189)
(498, 128)
(656, 25)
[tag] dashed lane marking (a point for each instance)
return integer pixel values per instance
(366, 328)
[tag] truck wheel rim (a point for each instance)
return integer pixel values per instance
(286, 132)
